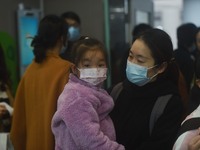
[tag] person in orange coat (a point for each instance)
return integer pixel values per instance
(38, 91)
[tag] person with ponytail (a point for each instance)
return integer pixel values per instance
(39, 88)
(151, 73)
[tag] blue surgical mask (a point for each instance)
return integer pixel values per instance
(138, 74)
(74, 33)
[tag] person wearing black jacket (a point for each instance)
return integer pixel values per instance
(184, 54)
(6, 96)
(195, 91)
(151, 72)
(73, 21)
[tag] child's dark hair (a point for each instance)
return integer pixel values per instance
(51, 29)
(197, 67)
(85, 44)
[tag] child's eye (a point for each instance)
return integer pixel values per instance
(102, 65)
(86, 65)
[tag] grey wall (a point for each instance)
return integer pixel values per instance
(8, 10)
(91, 13)
(191, 11)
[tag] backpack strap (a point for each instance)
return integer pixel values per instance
(116, 91)
(190, 124)
(158, 109)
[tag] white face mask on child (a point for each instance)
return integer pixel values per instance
(94, 76)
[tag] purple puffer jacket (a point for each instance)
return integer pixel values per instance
(81, 121)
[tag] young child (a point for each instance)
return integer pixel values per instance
(82, 120)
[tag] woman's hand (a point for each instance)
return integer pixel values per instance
(194, 143)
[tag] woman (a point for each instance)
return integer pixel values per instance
(151, 73)
(39, 88)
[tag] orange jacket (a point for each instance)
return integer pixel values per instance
(35, 103)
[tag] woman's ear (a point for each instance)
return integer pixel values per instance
(198, 82)
(162, 67)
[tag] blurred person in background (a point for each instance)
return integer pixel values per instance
(197, 51)
(39, 88)
(184, 53)
(74, 23)
(6, 97)
(195, 91)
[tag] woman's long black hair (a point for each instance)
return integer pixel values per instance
(160, 44)
(51, 29)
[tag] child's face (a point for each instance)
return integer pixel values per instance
(93, 59)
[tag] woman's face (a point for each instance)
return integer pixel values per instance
(198, 40)
(141, 55)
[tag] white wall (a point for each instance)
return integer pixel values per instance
(141, 11)
(168, 15)
(191, 11)
(91, 13)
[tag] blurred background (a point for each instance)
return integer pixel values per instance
(110, 21)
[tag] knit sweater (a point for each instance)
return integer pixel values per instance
(131, 116)
(35, 103)
(81, 121)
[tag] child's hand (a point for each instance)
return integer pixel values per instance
(194, 143)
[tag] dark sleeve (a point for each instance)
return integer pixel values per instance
(186, 65)
(166, 128)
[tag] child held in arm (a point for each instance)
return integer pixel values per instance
(82, 120)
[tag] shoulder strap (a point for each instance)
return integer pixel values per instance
(190, 124)
(158, 109)
(116, 91)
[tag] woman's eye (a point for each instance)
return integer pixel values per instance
(130, 57)
(140, 61)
